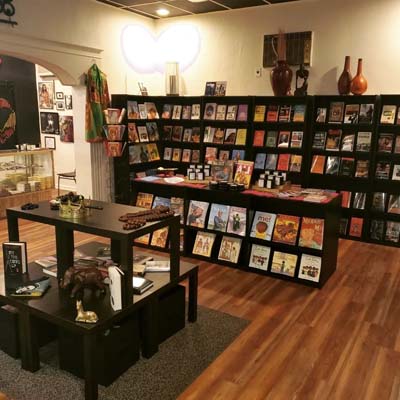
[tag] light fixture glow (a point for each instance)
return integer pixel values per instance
(162, 12)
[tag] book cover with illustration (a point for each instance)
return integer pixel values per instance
(283, 139)
(348, 142)
(379, 201)
(259, 257)
(176, 154)
(272, 138)
(230, 136)
(346, 166)
(377, 229)
(319, 140)
(143, 134)
(295, 162)
(296, 140)
(363, 141)
(336, 112)
(161, 201)
(284, 263)
(211, 155)
(351, 113)
(299, 112)
(145, 239)
(167, 153)
(241, 136)
(187, 112)
(177, 206)
(133, 110)
(152, 131)
(210, 111)
(166, 132)
(284, 113)
(394, 204)
(177, 112)
(244, 169)
(312, 233)
(333, 139)
(273, 113)
(218, 218)
(221, 112)
(196, 111)
(321, 115)
(167, 111)
(286, 229)
(231, 112)
(366, 114)
(385, 142)
(359, 200)
(242, 112)
(283, 162)
(203, 244)
(382, 170)
(159, 237)
(332, 165)
(195, 156)
(186, 153)
(310, 267)
(259, 162)
(177, 132)
(318, 164)
(388, 114)
(144, 200)
(133, 134)
(208, 134)
(237, 221)
(197, 213)
(356, 226)
(258, 140)
(230, 249)
(392, 232)
(346, 197)
(263, 225)
(219, 136)
(152, 150)
(259, 113)
(187, 135)
(362, 169)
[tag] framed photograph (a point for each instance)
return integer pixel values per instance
(67, 129)
(59, 95)
(210, 88)
(50, 142)
(68, 101)
(46, 95)
(49, 123)
(143, 89)
(60, 105)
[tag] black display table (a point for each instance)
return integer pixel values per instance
(58, 308)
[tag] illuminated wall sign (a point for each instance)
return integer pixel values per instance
(146, 53)
(7, 9)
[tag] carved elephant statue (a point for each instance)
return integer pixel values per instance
(81, 277)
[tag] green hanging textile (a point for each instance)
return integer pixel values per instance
(97, 100)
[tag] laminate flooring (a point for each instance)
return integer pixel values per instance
(341, 342)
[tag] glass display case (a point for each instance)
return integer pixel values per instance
(26, 171)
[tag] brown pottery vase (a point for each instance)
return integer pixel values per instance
(281, 78)
(345, 78)
(359, 84)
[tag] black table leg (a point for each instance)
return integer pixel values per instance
(65, 250)
(28, 341)
(174, 247)
(126, 264)
(115, 251)
(193, 286)
(149, 323)
(13, 231)
(89, 359)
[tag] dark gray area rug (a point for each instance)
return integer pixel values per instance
(180, 360)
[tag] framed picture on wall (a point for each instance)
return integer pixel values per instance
(50, 142)
(68, 102)
(59, 95)
(46, 94)
(60, 105)
(67, 129)
(49, 123)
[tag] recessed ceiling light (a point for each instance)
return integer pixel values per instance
(197, 1)
(162, 12)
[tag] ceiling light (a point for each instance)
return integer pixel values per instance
(197, 1)
(162, 12)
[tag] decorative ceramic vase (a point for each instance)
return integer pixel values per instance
(281, 78)
(345, 78)
(359, 84)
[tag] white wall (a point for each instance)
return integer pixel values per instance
(231, 47)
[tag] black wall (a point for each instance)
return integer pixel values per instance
(23, 75)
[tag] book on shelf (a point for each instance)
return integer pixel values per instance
(343, 226)
(181, 239)
(284, 263)
(222, 170)
(348, 142)
(312, 233)
(237, 221)
(167, 153)
(244, 169)
(336, 110)
(310, 268)
(152, 131)
(143, 134)
(195, 156)
(166, 132)
(159, 237)
(151, 110)
(362, 169)
(33, 288)
(396, 172)
(392, 232)
(145, 239)
(299, 112)
(333, 139)
(210, 155)
(385, 142)
(346, 166)
(177, 112)
(397, 145)
(321, 115)
(209, 132)
(186, 153)
(351, 113)
(152, 150)
(177, 206)
(203, 244)
(133, 134)
(241, 135)
(286, 229)
(167, 111)
(332, 165)
(220, 88)
(382, 170)
(219, 136)
(224, 155)
(144, 200)
(221, 112)
(388, 114)
(258, 140)
(231, 112)
(319, 140)
(283, 139)
(210, 111)
(318, 164)
(295, 163)
(379, 201)
(135, 154)
(187, 135)
(346, 197)
(356, 225)
(218, 218)
(259, 113)
(377, 229)
(363, 141)
(15, 259)
(186, 111)
(366, 114)
(161, 201)
(176, 154)
(259, 257)
(141, 285)
(197, 213)
(394, 204)
(283, 162)
(230, 136)
(296, 141)
(177, 132)
(230, 249)
(142, 111)
(263, 225)
(359, 200)
(237, 155)
(132, 109)
(242, 113)
(272, 113)
(284, 113)
(259, 162)
(195, 137)
(195, 111)
(271, 162)
(272, 137)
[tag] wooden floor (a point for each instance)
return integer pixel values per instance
(341, 342)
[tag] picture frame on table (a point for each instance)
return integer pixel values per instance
(68, 101)
(59, 95)
(50, 142)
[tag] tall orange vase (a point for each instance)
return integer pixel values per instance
(359, 84)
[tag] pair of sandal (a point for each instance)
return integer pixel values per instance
(29, 206)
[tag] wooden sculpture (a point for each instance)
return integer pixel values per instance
(81, 277)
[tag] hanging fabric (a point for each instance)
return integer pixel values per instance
(97, 100)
